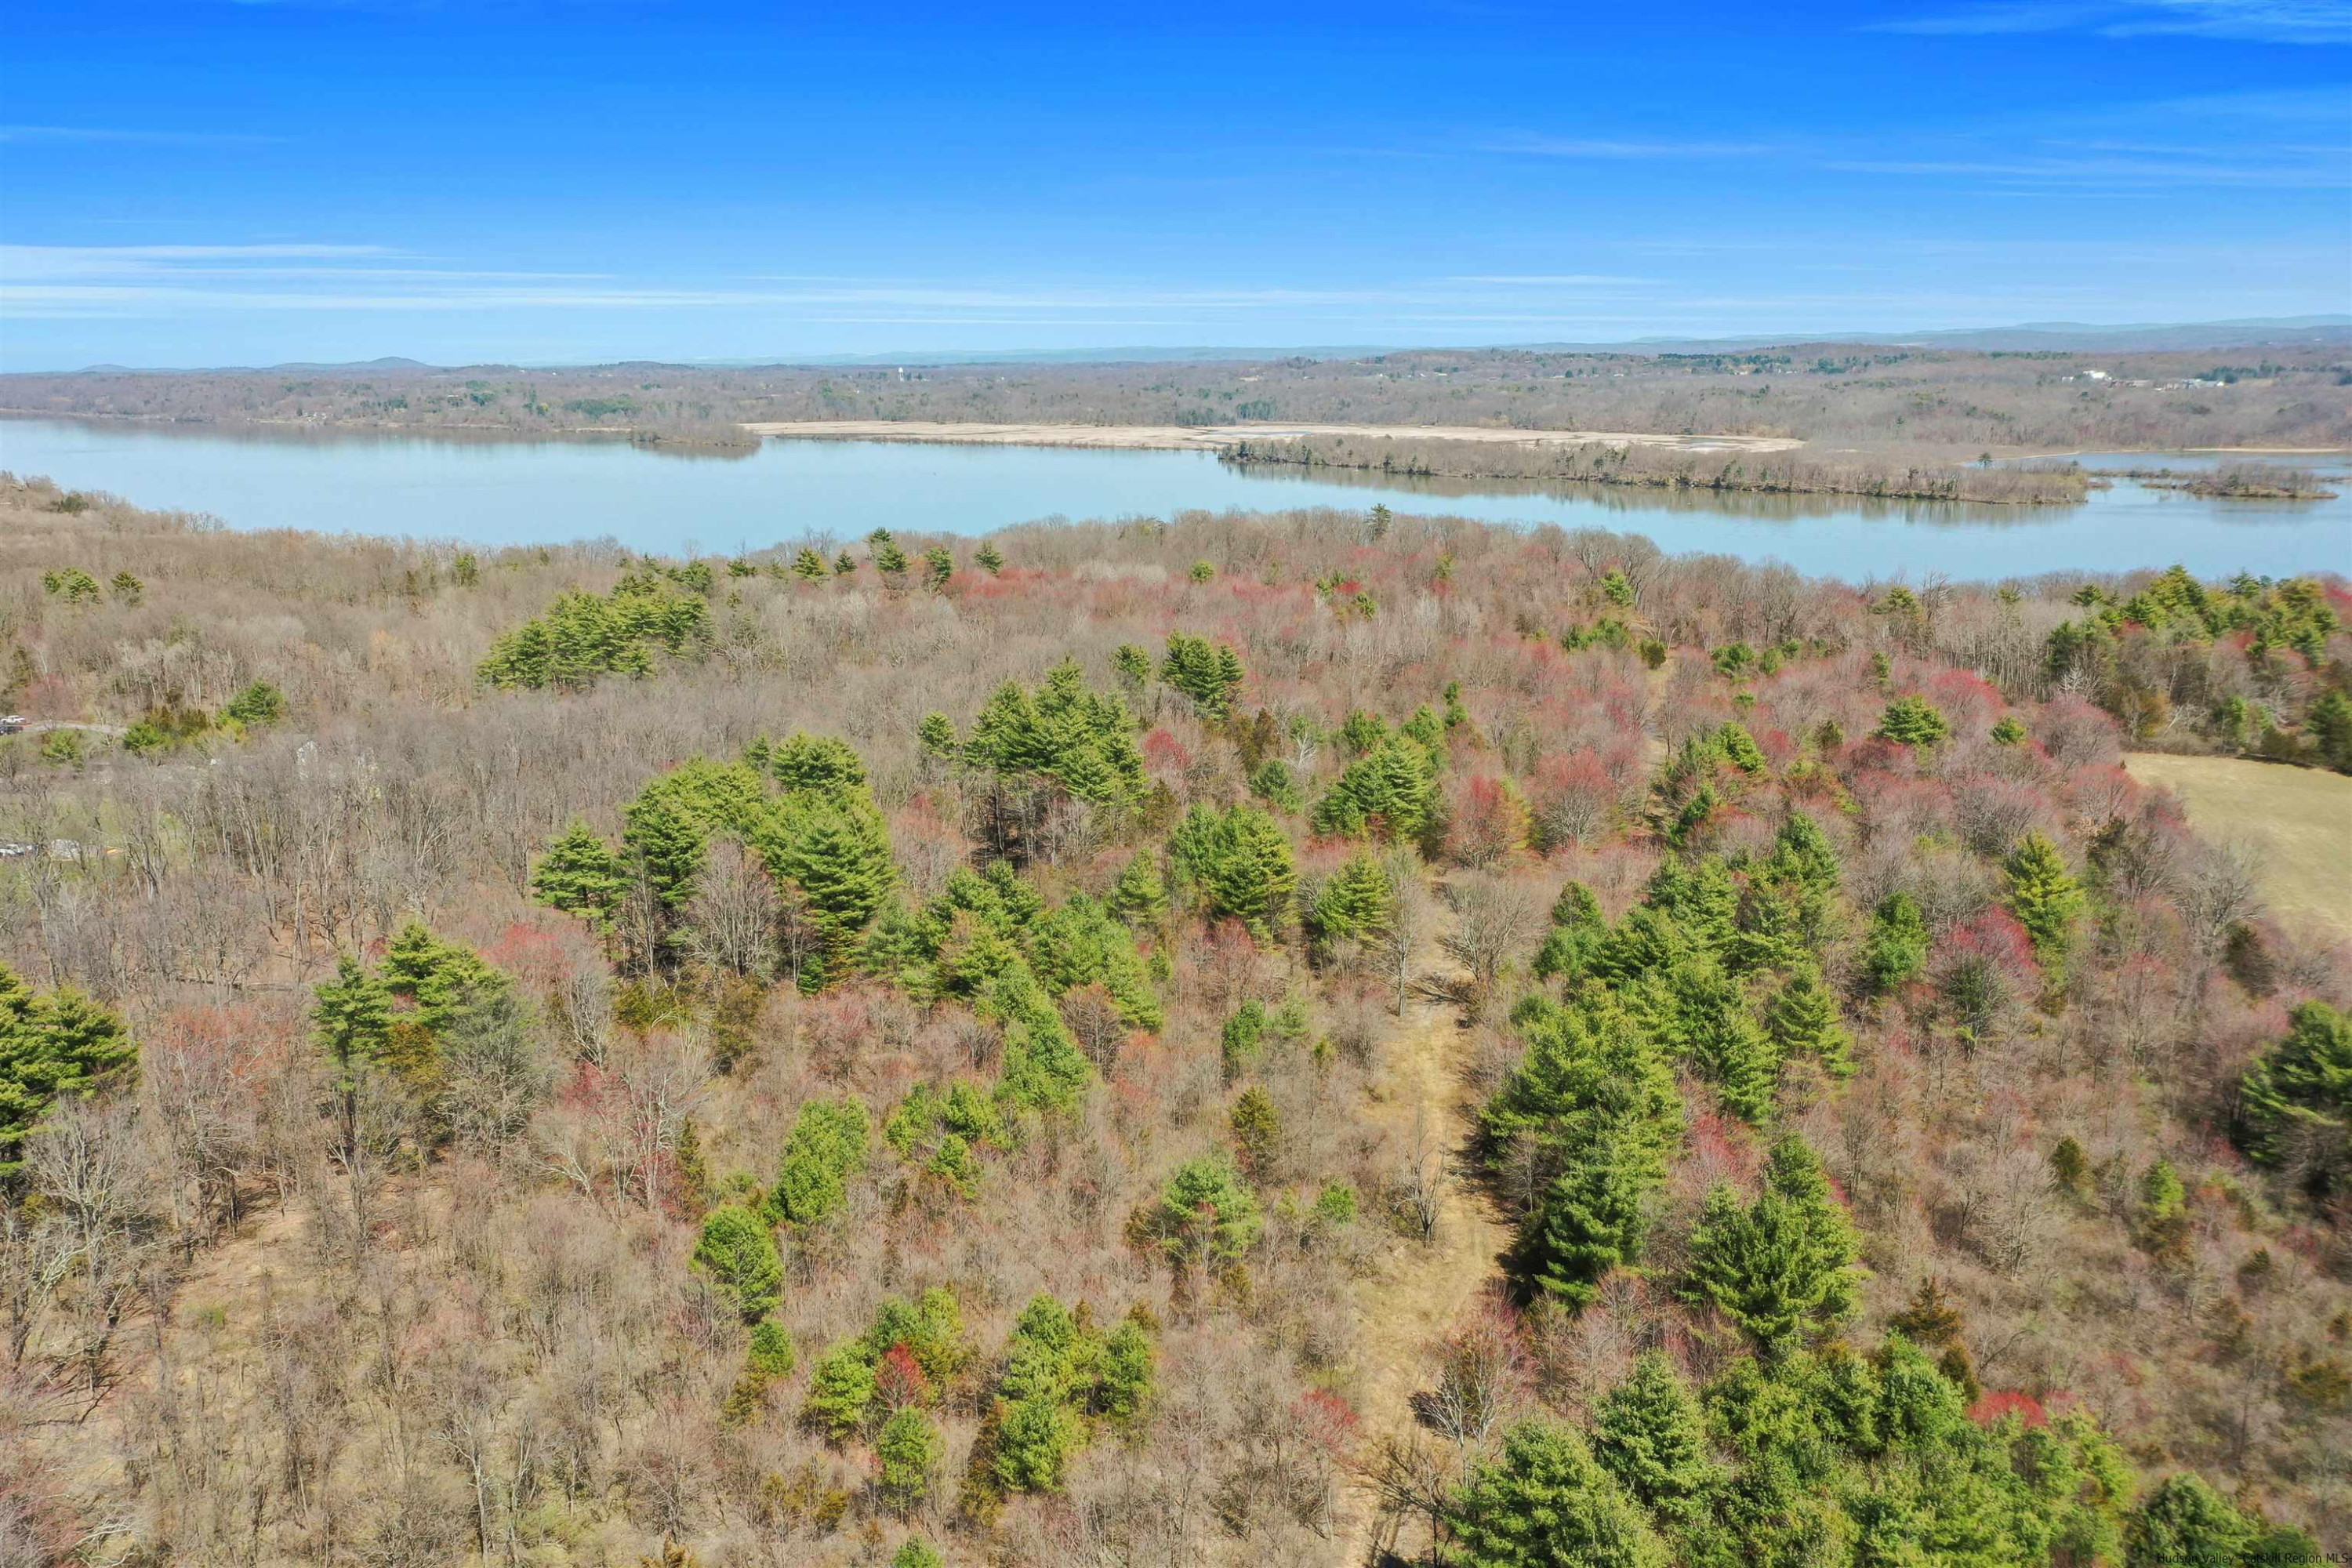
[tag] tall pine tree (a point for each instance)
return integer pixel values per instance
(1649, 1434)
(1783, 1266)
(581, 875)
(63, 1043)
(2044, 898)
(1543, 1501)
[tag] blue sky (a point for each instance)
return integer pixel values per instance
(210, 181)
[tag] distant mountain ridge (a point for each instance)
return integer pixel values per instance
(2060, 337)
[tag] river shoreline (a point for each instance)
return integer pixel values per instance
(1223, 438)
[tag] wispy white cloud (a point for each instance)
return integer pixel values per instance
(128, 136)
(2255, 21)
(153, 281)
(2267, 21)
(1615, 149)
(1992, 21)
(1552, 279)
(2290, 105)
(2114, 172)
(1818, 283)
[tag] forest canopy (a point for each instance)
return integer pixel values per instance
(1224, 1039)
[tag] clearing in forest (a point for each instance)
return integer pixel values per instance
(2300, 819)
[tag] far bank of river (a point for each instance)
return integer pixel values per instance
(496, 492)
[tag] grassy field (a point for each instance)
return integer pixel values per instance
(2300, 819)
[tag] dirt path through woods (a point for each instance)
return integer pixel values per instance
(1418, 1289)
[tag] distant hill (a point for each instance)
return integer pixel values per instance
(2081, 337)
(2047, 336)
(389, 362)
(2076, 337)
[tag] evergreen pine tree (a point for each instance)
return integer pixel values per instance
(826, 1145)
(1929, 1318)
(2045, 900)
(1036, 1443)
(2294, 1103)
(1543, 1500)
(1592, 1074)
(808, 565)
(1207, 672)
(1896, 950)
(63, 1043)
(2330, 723)
(1355, 901)
(259, 703)
(1140, 896)
(837, 850)
(665, 846)
(907, 1449)
(1649, 1434)
(1394, 785)
(1771, 934)
(441, 979)
(1125, 1386)
(739, 1254)
(1590, 1219)
(805, 761)
(1577, 933)
(1360, 732)
(1257, 1132)
(352, 1023)
(2185, 1523)
(1782, 1265)
(840, 1390)
(1803, 1021)
(1207, 1211)
(937, 736)
(581, 875)
(1042, 1066)
(1132, 665)
(1080, 944)
(991, 559)
(1272, 782)
(1700, 1015)
(1241, 861)
(2069, 1167)
(1912, 721)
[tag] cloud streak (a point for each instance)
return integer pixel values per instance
(127, 137)
(1613, 150)
(2308, 22)
(158, 280)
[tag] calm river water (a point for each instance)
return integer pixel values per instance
(516, 492)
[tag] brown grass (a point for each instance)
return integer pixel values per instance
(2299, 818)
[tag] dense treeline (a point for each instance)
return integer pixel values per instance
(1765, 473)
(1948, 402)
(933, 1062)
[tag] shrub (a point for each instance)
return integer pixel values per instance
(259, 703)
